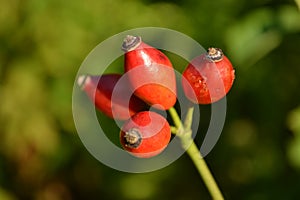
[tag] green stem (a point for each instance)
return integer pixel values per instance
(175, 118)
(173, 129)
(193, 151)
(204, 171)
(189, 118)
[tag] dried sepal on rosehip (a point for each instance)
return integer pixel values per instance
(145, 135)
(208, 77)
(100, 89)
(152, 67)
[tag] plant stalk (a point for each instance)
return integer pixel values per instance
(185, 134)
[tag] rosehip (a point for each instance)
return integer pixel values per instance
(208, 77)
(146, 134)
(153, 77)
(100, 88)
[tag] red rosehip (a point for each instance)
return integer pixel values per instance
(100, 88)
(153, 77)
(146, 134)
(208, 77)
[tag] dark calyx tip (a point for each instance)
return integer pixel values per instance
(214, 54)
(132, 138)
(131, 42)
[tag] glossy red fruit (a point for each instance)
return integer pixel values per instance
(208, 77)
(145, 135)
(100, 89)
(153, 77)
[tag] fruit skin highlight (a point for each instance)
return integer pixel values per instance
(100, 89)
(208, 77)
(153, 76)
(145, 135)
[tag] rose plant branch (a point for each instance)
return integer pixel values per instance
(189, 118)
(150, 77)
(192, 150)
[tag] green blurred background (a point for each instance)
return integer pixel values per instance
(42, 45)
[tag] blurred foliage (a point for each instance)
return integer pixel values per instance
(42, 44)
(293, 146)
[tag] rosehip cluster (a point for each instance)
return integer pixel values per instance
(207, 79)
